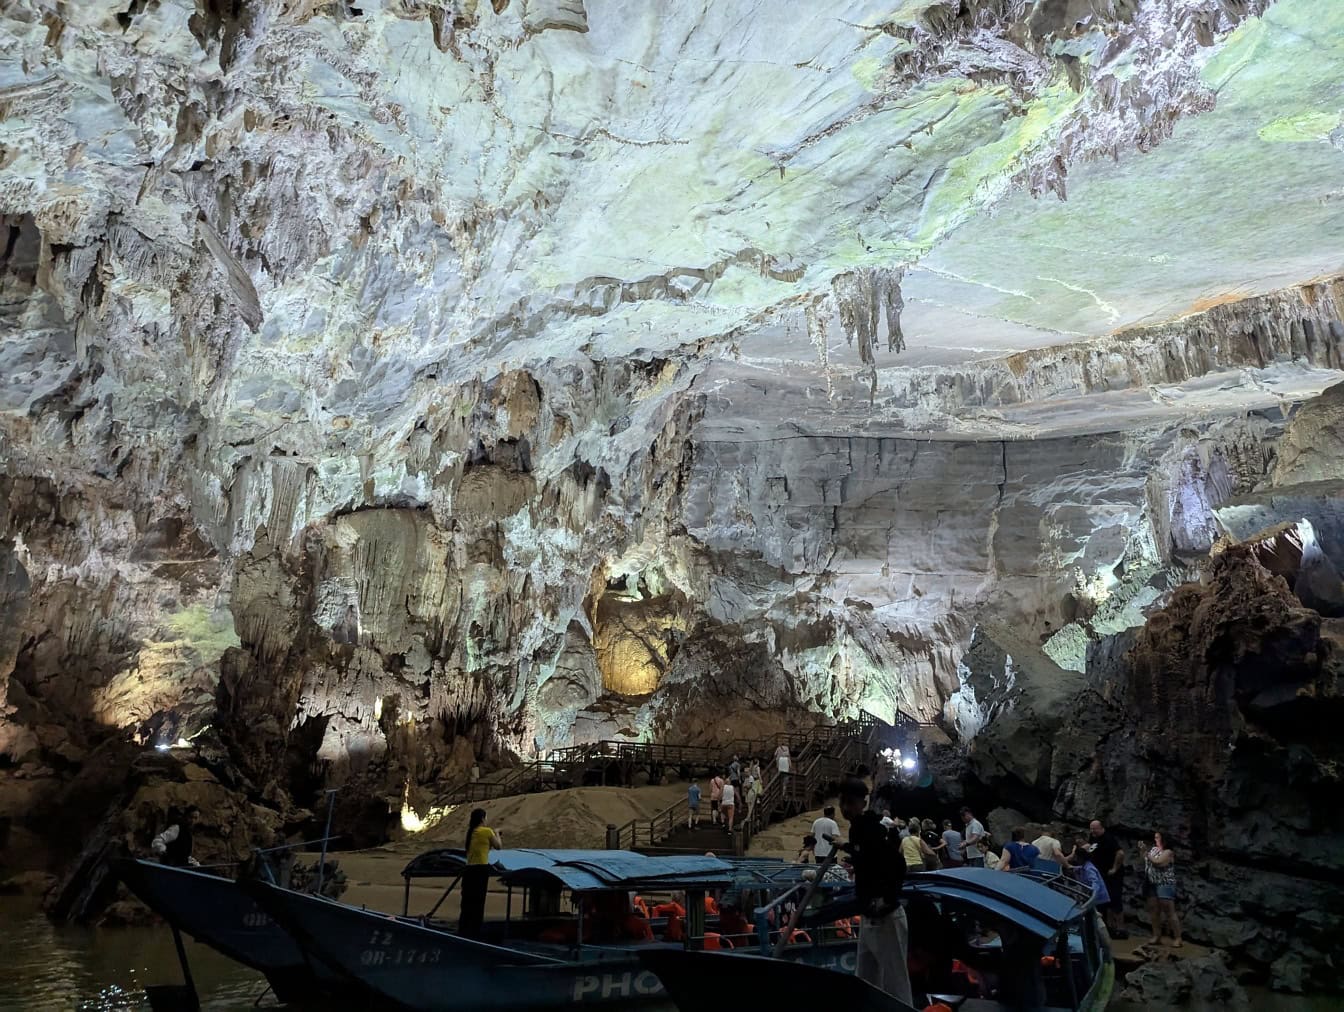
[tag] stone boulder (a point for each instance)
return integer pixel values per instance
(1171, 984)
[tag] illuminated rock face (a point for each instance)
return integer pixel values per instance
(386, 385)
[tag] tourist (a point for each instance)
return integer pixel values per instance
(782, 761)
(1085, 870)
(1049, 847)
(914, 850)
(1109, 857)
(878, 875)
(753, 795)
(1017, 853)
(824, 830)
(952, 854)
(807, 853)
(475, 772)
(481, 839)
(715, 797)
(728, 803)
(756, 770)
(1159, 890)
(936, 845)
(173, 846)
(973, 845)
(735, 770)
(693, 804)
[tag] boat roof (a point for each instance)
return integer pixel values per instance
(1037, 902)
(582, 870)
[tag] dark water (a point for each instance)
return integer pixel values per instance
(46, 968)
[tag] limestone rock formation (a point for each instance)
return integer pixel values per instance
(1215, 724)
(390, 387)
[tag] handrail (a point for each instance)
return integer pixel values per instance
(571, 762)
(761, 915)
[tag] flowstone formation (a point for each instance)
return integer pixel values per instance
(390, 387)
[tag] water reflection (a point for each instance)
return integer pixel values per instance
(46, 968)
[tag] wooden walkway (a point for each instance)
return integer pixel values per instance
(615, 763)
(819, 759)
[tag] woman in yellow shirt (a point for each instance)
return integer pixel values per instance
(476, 875)
(914, 850)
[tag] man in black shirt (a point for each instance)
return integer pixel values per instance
(1109, 857)
(879, 873)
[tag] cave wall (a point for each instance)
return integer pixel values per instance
(866, 562)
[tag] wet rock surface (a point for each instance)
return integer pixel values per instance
(1213, 723)
(1163, 984)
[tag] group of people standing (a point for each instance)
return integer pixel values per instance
(922, 845)
(1098, 860)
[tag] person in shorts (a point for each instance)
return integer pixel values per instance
(1159, 890)
(693, 804)
(715, 797)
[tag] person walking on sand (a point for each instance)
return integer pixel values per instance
(1159, 890)
(693, 804)
(481, 839)
(824, 829)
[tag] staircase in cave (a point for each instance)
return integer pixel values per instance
(820, 758)
(816, 753)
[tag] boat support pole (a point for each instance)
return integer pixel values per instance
(1065, 961)
(822, 869)
(435, 908)
(326, 835)
(193, 1000)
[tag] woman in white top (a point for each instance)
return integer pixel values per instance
(782, 758)
(727, 804)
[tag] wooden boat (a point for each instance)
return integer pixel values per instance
(214, 911)
(980, 940)
(985, 941)
(546, 958)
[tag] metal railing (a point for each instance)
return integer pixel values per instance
(824, 755)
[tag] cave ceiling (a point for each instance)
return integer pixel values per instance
(296, 225)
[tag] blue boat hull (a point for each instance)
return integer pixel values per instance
(217, 913)
(401, 963)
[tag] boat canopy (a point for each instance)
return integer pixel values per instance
(582, 870)
(1035, 902)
